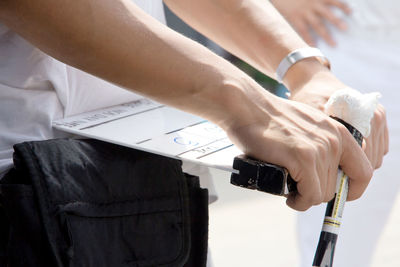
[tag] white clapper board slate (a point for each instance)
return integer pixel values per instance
(150, 126)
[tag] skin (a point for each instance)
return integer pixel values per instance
(316, 15)
(116, 41)
(308, 16)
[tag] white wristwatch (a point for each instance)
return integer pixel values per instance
(298, 55)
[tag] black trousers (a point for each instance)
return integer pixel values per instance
(84, 203)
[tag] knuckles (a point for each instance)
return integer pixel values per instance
(379, 115)
(334, 145)
(305, 154)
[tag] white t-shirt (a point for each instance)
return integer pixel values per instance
(35, 89)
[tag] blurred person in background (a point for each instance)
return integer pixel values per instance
(362, 40)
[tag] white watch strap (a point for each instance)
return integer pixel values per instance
(296, 56)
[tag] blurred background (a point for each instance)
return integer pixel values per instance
(249, 228)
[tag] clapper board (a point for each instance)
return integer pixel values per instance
(153, 127)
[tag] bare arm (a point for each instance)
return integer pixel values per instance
(251, 29)
(308, 16)
(116, 41)
(254, 31)
(315, 15)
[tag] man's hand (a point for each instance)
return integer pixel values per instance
(312, 15)
(315, 93)
(305, 141)
(376, 145)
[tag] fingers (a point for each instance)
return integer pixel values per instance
(380, 152)
(377, 143)
(302, 29)
(308, 192)
(386, 138)
(380, 146)
(326, 13)
(381, 109)
(383, 138)
(368, 149)
(320, 13)
(312, 15)
(315, 187)
(339, 4)
(317, 173)
(331, 183)
(317, 24)
(356, 165)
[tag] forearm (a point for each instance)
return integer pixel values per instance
(252, 30)
(116, 41)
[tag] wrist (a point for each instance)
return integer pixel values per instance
(302, 72)
(239, 97)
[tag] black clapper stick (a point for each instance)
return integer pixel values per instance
(333, 215)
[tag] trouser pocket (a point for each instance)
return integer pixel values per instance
(131, 233)
(76, 203)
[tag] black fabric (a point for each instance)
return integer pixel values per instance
(198, 229)
(3, 235)
(26, 244)
(83, 203)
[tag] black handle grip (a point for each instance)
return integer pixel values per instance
(261, 176)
